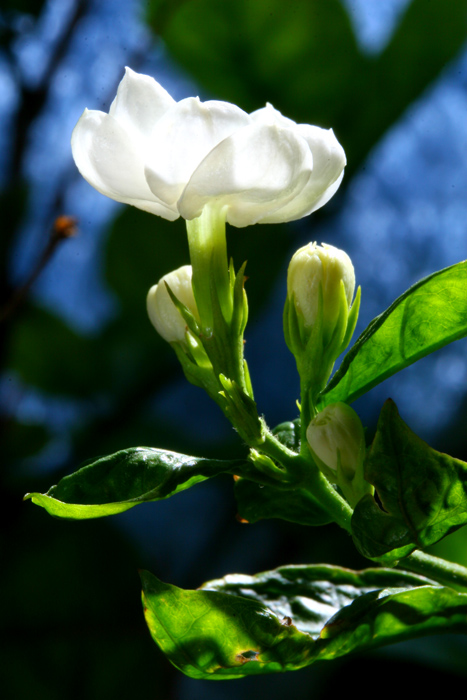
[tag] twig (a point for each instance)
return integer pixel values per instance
(64, 227)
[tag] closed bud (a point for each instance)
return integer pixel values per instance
(317, 272)
(163, 314)
(336, 437)
(337, 442)
(319, 317)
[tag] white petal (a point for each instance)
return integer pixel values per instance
(270, 115)
(109, 158)
(255, 171)
(328, 170)
(183, 137)
(140, 103)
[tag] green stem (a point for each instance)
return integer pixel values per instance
(208, 254)
(306, 475)
(435, 568)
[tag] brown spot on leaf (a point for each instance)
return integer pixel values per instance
(246, 656)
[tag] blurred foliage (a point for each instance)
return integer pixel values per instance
(303, 57)
(71, 615)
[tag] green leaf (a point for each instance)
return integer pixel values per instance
(260, 502)
(286, 619)
(117, 482)
(423, 493)
(428, 316)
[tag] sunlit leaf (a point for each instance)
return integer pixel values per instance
(117, 482)
(428, 316)
(423, 493)
(286, 619)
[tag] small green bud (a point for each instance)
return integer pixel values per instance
(163, 314)
(314, 277)
(337, 442)
(319, 317)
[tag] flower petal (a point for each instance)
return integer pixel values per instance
(254, 172)
(110, 159)
(270, 115)
(140, 103)
(328, 170)
(183, 137)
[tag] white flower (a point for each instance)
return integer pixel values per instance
(336, 437)
(174, 158)
(163, 314)
(317, 272)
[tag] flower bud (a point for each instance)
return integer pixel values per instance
(336, 438)
(316, 270)
(163, 314)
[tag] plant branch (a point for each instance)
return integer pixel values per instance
(64, 227)
(435, 568)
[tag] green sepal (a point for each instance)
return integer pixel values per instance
(248, 384)
(267, 466)
(241, 411)
(428, 316)
(240, 301)
(333, 347)
(184, 311)
(117, 482)
(352, 320)
(422, 492)
(287, 619)
(196, 365)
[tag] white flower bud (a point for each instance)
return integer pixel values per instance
(315, 267)
(163, 313)
(336, 438)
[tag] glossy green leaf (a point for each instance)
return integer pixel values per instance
(117, 482)
(429, 315)
(286, 619)
(423, 493)
(260, 502)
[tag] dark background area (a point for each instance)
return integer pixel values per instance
(83, 371)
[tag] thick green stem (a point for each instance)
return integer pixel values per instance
(214, 290)
(435, 568)
(208, 254)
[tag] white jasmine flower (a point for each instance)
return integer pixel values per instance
(175, 158)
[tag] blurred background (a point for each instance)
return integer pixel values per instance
(83, 371)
